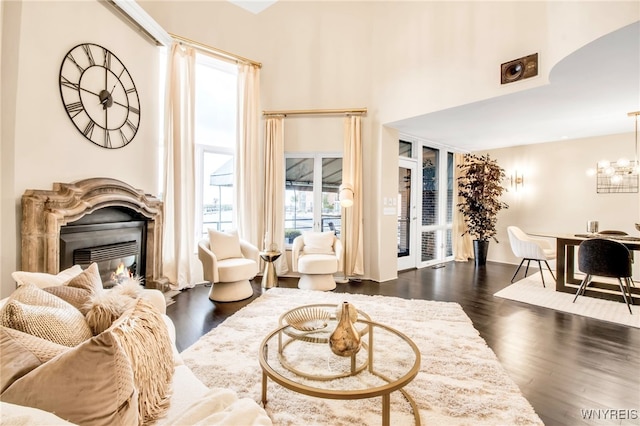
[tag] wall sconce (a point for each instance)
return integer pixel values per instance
(517, 180)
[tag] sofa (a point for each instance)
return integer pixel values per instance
(121, 367)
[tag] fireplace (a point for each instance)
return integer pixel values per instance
(99, 220)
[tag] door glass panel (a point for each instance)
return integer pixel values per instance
(449, 188)
(429, 246)
(331, 180)
(298, 198)
(429, 186)
(404, 211)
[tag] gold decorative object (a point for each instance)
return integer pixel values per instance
(308, 319)
(345, 339)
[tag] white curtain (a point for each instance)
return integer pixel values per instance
(179, 262)
(462, 245)
(352, 173)
(248, 184)
(274, 188)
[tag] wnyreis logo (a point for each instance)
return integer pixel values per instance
(610, 414)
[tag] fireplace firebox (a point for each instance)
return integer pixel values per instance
(112, 237)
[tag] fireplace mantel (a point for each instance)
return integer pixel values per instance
(45, 212)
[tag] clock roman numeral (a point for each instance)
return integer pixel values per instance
(68, 83)
(88, 130)
(107, 139)
(134, 110)
(72, 59)
(87, 51)
(107, 58)
(74, 108)
(124, 137)
(132, 90)
(131, 125)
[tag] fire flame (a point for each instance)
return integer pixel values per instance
(121, 273)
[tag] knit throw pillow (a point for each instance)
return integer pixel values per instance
(34, 311)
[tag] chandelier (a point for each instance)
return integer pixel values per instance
(621, 175)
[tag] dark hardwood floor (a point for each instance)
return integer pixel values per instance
(563, 363)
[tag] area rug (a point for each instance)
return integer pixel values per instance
(530, 290)
(460, 381)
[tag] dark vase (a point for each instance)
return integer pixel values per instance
(480, 250)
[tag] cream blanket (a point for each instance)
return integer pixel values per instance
(221, 407)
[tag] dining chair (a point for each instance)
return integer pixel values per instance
(605, 258)
(529, 249)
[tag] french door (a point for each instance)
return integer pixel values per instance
(436, 242)
(425, 206)
(407, 214)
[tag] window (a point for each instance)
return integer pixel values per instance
(311, 194)
(215, 138)
(405, 149)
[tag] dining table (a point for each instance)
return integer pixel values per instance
(566, 279)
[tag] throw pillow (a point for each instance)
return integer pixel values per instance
(103, 308)
(43, 280)
(80, 288)
(318, 242)
(91, 384)
(32, 310)
(224, 245)
(142, 333)
(21, 353)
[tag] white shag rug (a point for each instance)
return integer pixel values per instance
(530, 290)
(460, 381)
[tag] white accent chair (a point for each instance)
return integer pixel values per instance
(529, 249)
(228, 263)
(316, 256)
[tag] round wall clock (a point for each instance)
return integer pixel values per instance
(99, 96)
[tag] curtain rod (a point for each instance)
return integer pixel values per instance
(316, 112)
(214, 50)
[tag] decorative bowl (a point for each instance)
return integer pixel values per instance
(308, 319)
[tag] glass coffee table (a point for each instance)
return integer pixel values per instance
(297, 356)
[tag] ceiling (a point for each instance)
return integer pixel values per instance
(590, 93)
(253, 6)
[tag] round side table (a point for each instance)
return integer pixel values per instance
(269, 278)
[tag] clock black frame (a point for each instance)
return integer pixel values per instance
(99, 96)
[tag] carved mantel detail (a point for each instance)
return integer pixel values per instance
(45, 212)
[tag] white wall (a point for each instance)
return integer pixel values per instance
(398, 59)
(40, 144)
